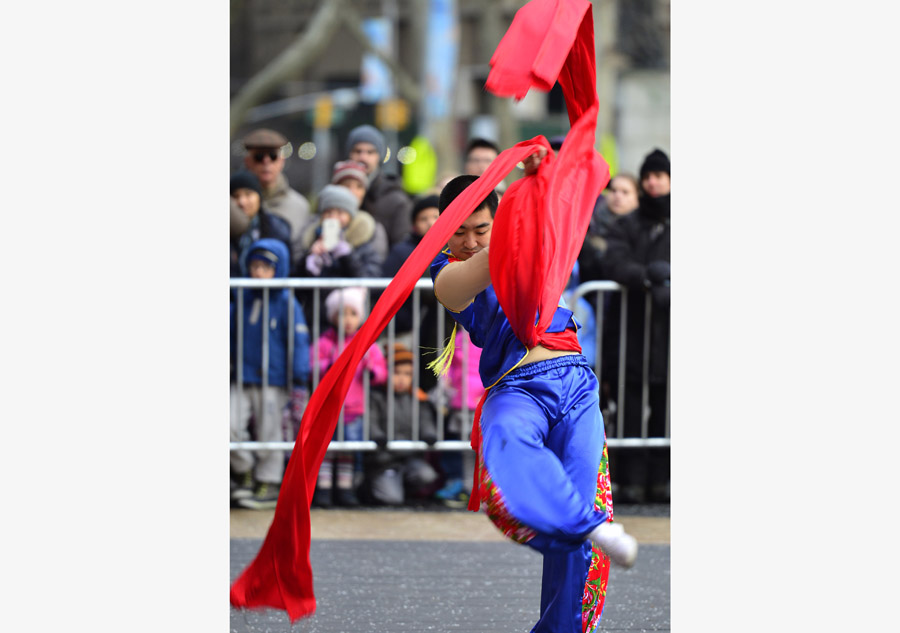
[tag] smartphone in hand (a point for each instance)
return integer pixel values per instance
(331, 232)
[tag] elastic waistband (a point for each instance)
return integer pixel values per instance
(569, 360)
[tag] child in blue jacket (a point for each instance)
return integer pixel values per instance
(256, 476)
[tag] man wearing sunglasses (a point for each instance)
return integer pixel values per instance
(265, 159)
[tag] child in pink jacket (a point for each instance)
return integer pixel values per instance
(462, 380)
(341, 466)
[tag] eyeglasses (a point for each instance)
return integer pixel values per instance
(261, 156)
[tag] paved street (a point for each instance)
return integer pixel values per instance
(442, 571)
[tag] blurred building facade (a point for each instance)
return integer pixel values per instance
(633, 79)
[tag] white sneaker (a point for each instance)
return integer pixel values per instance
(611, 538)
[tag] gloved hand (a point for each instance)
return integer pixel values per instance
(341, 249)
(314, 264)
(657, 272)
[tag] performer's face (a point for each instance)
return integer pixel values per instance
(473, 235)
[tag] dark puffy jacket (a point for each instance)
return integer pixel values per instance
(634, 241)
(403, 417)
(390, 205)
(590, 259)
(368, 242)
(395, 260)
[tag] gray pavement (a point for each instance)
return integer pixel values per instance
(472, 587)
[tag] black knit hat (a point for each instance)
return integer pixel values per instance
(425, 203)
(655, 161)
(244, 179)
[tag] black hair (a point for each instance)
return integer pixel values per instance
(456, 186)
(481, 142)
(557, 141)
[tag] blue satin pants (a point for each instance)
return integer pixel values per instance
(542, 442)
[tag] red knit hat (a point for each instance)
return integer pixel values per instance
(350, 169)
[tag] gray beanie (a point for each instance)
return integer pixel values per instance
(337, 197)
(367, 134)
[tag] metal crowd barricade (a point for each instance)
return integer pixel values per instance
(317, 286)
(416, 444)
(620, 441)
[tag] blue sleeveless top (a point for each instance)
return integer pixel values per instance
(485, 322)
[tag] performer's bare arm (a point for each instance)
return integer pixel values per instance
(459, 282)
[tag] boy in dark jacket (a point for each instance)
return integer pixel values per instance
(394, 476)
(256, 477)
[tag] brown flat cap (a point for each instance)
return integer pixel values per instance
(264, 139)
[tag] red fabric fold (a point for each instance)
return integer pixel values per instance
(550, 233)
(475, 442)
(542, 220)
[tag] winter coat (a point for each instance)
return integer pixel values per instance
(390, 205)
(293, 208)
(280, 302)
(596, 241)
(403, 417)
(635, 240)
(368, 248)
(427, 303)
(367, 244)
(373, 361)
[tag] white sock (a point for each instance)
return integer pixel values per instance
(615, 543)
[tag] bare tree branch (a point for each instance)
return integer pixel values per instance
(292, 61)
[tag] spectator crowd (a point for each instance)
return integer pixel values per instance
(363, 224)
